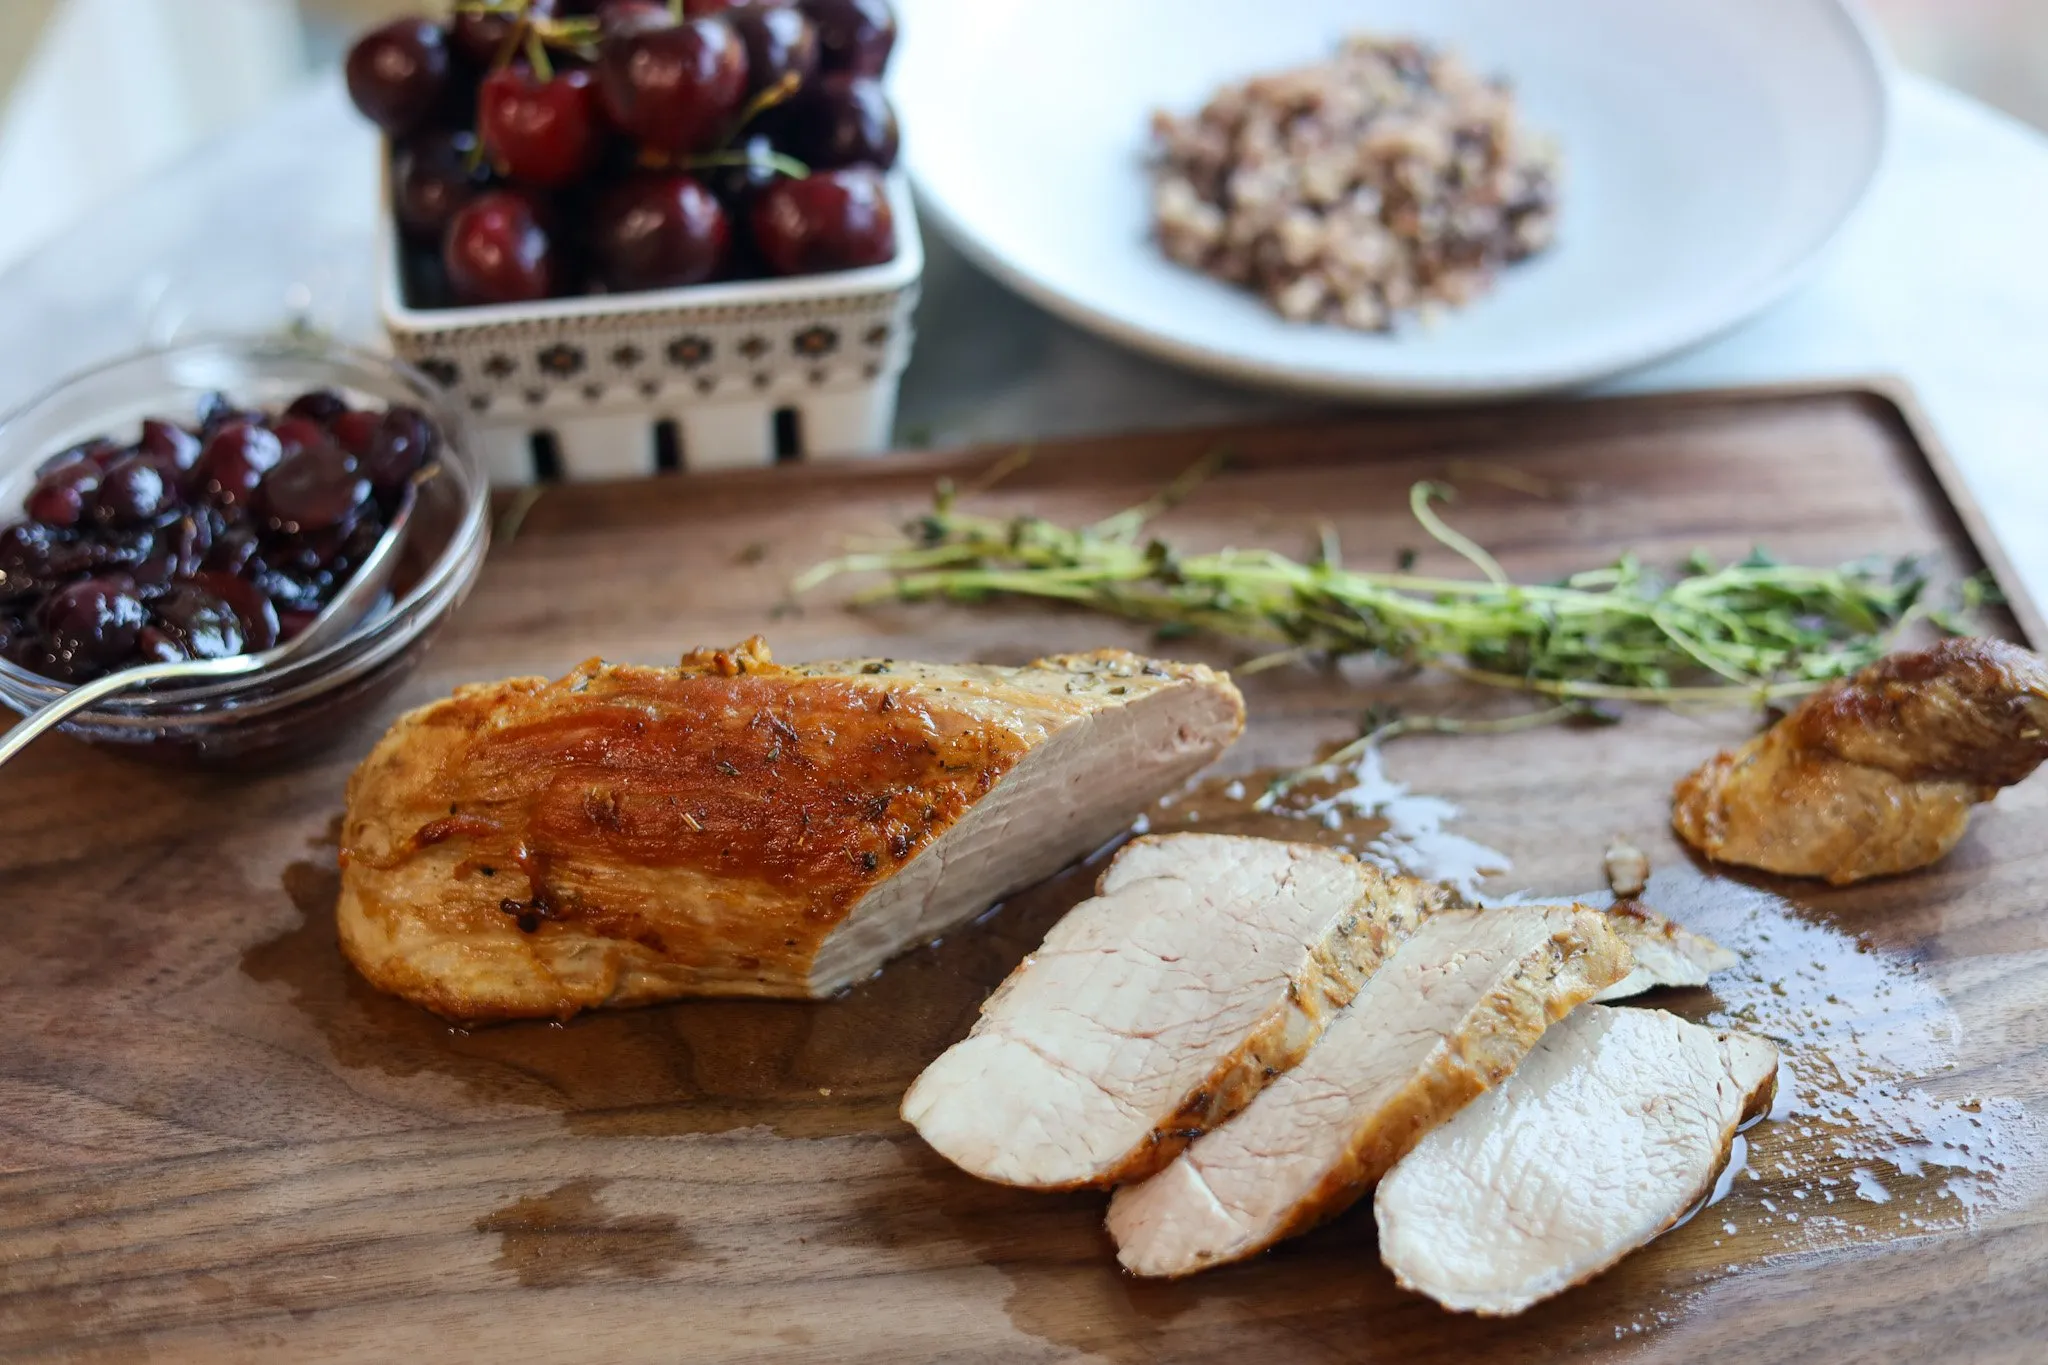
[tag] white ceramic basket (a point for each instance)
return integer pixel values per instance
(713, 376)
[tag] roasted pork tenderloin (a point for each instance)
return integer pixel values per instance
(1664, 952)
(1453, 1011)
(1204, 966)
(732, 826)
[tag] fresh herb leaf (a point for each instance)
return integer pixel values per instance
(1751, 631)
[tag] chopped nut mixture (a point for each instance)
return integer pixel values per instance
(1388, 180)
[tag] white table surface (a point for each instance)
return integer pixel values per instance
(1942, 279)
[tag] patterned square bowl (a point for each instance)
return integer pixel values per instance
(712, 376)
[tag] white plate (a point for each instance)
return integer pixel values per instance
(1712, 147)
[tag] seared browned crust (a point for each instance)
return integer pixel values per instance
(1965, 710)
(627, 834)
(1875, 774)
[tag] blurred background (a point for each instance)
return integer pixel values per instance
(95, 93)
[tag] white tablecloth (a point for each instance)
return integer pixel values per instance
(1941, 279)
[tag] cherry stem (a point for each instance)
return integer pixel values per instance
(774, 161)
(514, 36)
(576, 34)
(675, 10)
(778, 93)
(537, 55)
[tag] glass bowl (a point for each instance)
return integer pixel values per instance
(300, 707)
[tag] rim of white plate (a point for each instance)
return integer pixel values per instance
(1706, 324)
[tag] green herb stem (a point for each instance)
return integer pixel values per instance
(1748, 632)
(1333, 768)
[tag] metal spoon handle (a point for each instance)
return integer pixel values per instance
(85, 694)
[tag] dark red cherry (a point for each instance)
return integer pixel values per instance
(99, 450)
(234, 551)
(35, 556)
(309, 551)
(299, 433)
(839, 120)
(432, 177)
(29, 551)
(355, 545)
(853, 35)
(181, 548)
(60, 498)
(834, 220)
(216, 410)
(737, 187)
(423, 276)
(481, 38)
(133, 493)
(318, 405)
(90, 626)
(779, 40)
(404, 441)
(196, 623)
(314, 490)
(498, 252)
(541, 132)
(658, 232)
(675, 88)
(354, 428)
(617, 18)
(126, 547)
(235, 460)
(154, 646)
(169, 444)
(295, 591)
(252, 607)
(397, 73)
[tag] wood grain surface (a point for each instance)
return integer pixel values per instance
(216, 1143)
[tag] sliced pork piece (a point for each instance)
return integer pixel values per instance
(1666, 953)
(1455, 1009)
(732, 826)
(1619, 1122)
(1205, 965)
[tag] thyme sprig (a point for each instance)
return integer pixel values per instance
(1748, 632)
(1378, 732)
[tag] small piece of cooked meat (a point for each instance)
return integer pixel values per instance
(1627, 868)
(1205, 965)
(1617, 1124)
(1666, 953)
(1453, 1011)
(735, 827)
(1876, 774)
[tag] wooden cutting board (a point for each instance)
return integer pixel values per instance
(216, 1143)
